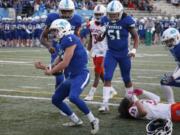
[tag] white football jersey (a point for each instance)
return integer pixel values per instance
(153, 110)
(98, 48)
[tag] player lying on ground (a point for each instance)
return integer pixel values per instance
(149, 108)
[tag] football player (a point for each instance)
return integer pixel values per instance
(74, 61)
(98, 50)
(141, 30)
(66, 11)
(171, 39)
(149, 108)
(118, 25)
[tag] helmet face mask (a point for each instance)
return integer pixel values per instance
(54, 34)
(159, 127)
(169, 43)
(98, 16)
(66, 14)
(114, 17)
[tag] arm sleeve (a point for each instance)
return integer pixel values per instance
(79, 21)
(67, 42)
(50, 18)
(130, 23)
(176, 72)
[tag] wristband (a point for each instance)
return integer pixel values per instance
(133, 51)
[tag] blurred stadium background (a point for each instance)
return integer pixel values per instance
(25, 92)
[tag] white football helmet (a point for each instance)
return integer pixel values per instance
(170, 37)
(142, 21)
(66, 9)
(60, 27)
(159, 18)
(19, 18)
(159, 127)
(99, 11)
(114, 10)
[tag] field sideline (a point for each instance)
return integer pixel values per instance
(25, 94)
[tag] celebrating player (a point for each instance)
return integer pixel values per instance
(75, 63)
(118, 25)
(66, 11)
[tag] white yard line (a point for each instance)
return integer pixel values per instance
(31, 63)
(25, 91)
(148, 77)
(50, 77)
(15, 62)
(30, 87)
(7, 50)
(25, 76)
(48, 99)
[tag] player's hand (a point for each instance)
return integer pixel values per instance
(39, 65)
(47, 71)
(132, 53)
(137, 92)
(166, 79)
(51, 50)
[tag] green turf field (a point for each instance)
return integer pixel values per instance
(25, 105)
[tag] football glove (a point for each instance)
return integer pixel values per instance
(132, 52)
(166, 79)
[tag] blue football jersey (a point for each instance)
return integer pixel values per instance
(117, 34)
(166, 24)
(50, 18)
(75, 21)
(141, 29)
(79, 60)
(176, 52)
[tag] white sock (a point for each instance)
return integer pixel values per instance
(90, 117)
(129, 91)
(151, 95)
(74, 118)
(113, 89)
(168, 93)
(92, 91)
(106, 95)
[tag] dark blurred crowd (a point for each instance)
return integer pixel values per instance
(28, 7)
(145, 5)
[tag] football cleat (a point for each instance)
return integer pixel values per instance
(88, 98)
(95, 126)
(104, 109)
(73, 124)
(113, 93)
